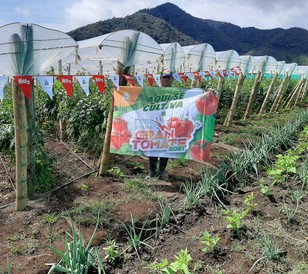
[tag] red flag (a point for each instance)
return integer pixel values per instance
(150, 79)
(67, 82)
(183, 76)
(129, 78)
(219, 73)
(207, 73)
(197, 75)
(100, 82)
(25, 84)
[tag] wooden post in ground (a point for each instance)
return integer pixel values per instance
(300, 92)
(279, 93)
(220, 85)
(303, 95)
(252, 94)
(231, 112)
(30, 117)
(62, 123)
(294, 93)
(269, 90)
(20, 125)
(105, 156)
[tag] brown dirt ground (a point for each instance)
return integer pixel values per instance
(25, 237)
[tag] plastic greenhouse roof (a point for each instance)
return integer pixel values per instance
(280, 67)
(290, 68)
(199, 57)
(303, 70)
(174, 56)
(29, 49)
(247, 64)
(227, 59)
(129, 47)
(265, 63)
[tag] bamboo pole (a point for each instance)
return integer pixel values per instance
(294, 93)
(62, 124)
(20, 146)
(291, 93)
(105, 156)
(279, 93)
(220, 85)
(269, 90)
(30, 117)
(231, 112)
(300, 92)
(252, 94)
(304, 90)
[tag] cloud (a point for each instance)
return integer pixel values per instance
(90, 11)
(23, 11)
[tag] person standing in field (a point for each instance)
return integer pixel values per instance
(166, 79)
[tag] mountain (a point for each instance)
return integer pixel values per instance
(168, 23)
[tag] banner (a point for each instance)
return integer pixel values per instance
(190, 76)
(46, 83)
(150, 79)
(67, 83)
(100, 82)
(177, 77)
(139, 79)
(84, 82)
(3, 81)
(130, 79)
(157, 79)
(115, 79)
(183, 76)
(163, 122)
(25, 84)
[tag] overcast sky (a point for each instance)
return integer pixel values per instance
(67, 15)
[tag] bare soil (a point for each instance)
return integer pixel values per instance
(25, 235)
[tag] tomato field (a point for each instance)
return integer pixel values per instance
(74, 192)
(242, 210)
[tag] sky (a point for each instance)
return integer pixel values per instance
(67, 15)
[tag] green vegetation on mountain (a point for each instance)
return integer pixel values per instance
(168, 23)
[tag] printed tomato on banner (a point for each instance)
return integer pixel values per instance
(164, 122)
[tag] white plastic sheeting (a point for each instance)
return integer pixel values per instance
(174, 56)
(227, 59)
(280, 66)
(199, 57)
(247, 64)
(302, 70)
(87, 67)
(265, 63)
(29, 49)
(129, 47)
(290, 68)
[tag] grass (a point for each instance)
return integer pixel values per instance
(85, 212)
(138, 189)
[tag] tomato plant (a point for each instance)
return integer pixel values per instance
(207, 104)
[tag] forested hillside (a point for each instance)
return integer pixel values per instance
(168, 23)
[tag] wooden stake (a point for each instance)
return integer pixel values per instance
(295, 91)
(252, 94)
(279, 93)
(220, 84)
(269, 90)
(20, 147)
(105, 156)
(300, 92)
(30, 111)
(231, 112)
